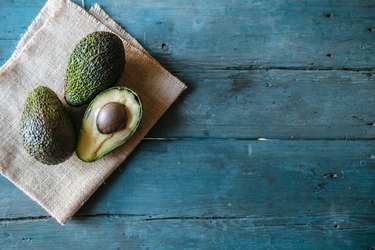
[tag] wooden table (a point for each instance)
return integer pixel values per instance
(271, 147)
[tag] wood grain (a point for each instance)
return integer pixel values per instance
(240, 102)
(281, 104)
(188, 178)
(216, 194)
(16, 16)
(307, 232)
(275, 104)
(236, 34)
(251, 33)
(298, 72)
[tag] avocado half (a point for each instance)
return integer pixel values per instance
(93, 143)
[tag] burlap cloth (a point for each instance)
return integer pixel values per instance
(40, 59)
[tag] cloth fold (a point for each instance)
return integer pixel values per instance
(41, 58)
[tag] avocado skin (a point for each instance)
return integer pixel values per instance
(86, 128)
(47, 132)
(95, 64)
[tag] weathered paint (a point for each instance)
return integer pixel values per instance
(279, 104)
(251, 33)
(255, 69)
(282, 190)
(235, 34)
(116, 232)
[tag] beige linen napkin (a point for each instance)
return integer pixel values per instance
(40, 59)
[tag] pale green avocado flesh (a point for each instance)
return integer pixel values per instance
(92, 144)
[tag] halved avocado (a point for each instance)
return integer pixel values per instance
(110, 119)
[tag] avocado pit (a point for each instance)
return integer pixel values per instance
(111, 118)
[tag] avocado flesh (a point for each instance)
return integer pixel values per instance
(47, 132)
(92, 145)
(95, 64)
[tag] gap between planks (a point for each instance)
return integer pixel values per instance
(296, 68)
(148, 218)
(144, 217)
(197, 138)
(256, 67)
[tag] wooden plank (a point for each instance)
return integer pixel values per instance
(239, 178)
(227, 34)
(273, 104)
(222, 34)
(220, 193)
(140, 233)
(16, 16)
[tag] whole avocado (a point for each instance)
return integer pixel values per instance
(95, 64)
(47, 132)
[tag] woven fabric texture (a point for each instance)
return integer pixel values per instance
(40, 59)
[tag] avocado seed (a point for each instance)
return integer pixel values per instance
(112, 117)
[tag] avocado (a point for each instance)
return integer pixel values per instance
(95, 64)
(110, 119)
(47, 132)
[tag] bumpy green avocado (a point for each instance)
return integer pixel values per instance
(110, 119)
(95, 64)
(47, 132)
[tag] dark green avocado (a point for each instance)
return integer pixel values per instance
(95, 64)
(110, 119)
(47, 132)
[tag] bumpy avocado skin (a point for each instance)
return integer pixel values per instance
(47, 132)
(95, 64)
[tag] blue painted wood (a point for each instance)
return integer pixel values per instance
(251, 33)
(263, 103)
(251, 68)
(226, 34)
(101, 232)
(16, 16)
(273, 190)
(279, 104)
